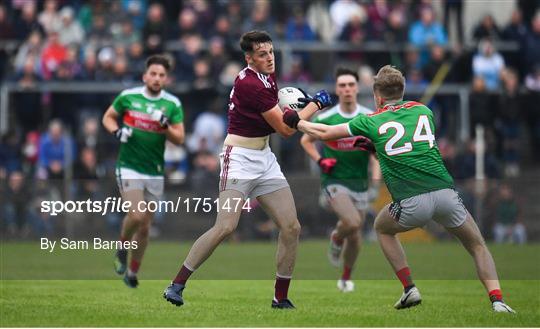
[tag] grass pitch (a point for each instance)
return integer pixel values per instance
(234, 289)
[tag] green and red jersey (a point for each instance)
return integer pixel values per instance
(403, 134)
(143, 152)
(351, 168)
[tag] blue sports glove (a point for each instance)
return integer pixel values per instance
(322, 99)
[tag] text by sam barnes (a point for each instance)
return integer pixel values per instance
(96, 244)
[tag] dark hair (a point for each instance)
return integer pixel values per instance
(346, 71)
(162, 60)
(251, 38)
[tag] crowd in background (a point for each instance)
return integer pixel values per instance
(108, 41)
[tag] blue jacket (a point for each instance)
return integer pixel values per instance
(50, 151)
(421, 35)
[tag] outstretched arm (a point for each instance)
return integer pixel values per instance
(274, 116)
(323, 132)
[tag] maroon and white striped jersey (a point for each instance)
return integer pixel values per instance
(253, 93)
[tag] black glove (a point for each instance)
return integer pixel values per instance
(122, 134)
(161, 117)
(364, 144)
(306, 96)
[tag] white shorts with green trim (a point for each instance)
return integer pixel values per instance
(443, 206)
(359, 199)
(129, 180)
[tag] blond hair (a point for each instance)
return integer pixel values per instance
(389, 83)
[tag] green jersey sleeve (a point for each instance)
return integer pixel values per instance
(177, 115)
(119, 104)
(362, 125)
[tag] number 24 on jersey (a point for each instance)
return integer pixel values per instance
(422, 133)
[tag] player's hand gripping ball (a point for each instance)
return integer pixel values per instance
(322, 99)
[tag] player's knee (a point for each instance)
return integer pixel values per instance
(138, 217)
(224, 230)
(352, 225)
(378, 225)
(291, 229)
(476, 245)
(144, 230)
(354, 237)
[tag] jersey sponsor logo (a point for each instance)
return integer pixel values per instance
(344, 144)
(142, 121)
(139, 115)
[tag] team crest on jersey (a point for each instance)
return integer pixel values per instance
(242, 74)
(150, 108)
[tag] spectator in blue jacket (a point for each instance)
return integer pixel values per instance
(297, 27)
(427, 32)
(56, 151)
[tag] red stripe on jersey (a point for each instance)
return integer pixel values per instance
(142, 122)
(226, 161)
(344, 144)
(394, 108)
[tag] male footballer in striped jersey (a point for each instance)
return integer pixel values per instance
(249, 169)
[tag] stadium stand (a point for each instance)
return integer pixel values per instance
(63, 61)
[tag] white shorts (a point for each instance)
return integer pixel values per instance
(252, 172)
(443, 206)
(359, 199)
(129, 180)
